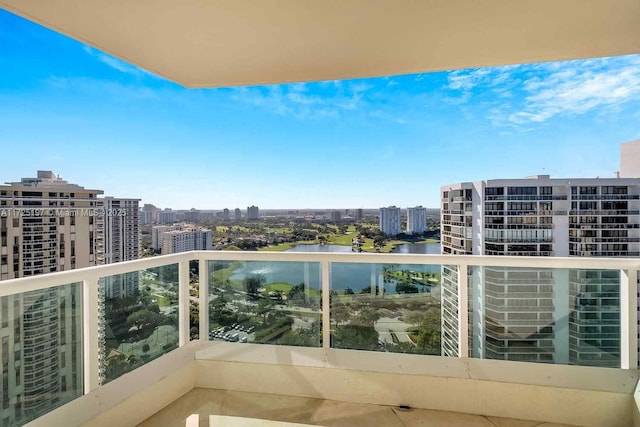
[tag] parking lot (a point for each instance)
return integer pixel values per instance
(233, 333)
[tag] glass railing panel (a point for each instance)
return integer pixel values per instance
(386, 307)
(41, 352)
(265, 302)
(560, 316)
(138, 319)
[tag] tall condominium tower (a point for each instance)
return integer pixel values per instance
(390, 220)
(167, 216)
(237, 216)
(121, 236)
(187, 239)
(181, 238)
(546, 315)
(46, 225)
(121, 242)
(148, 214)
(416, 220)
(253, 213)
(192, 215)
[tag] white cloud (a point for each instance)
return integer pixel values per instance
(114, 63)
(306, 100)
(543, 91)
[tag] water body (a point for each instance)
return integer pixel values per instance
(417, 248)
(353, 275)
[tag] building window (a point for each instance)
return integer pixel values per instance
(522, 191)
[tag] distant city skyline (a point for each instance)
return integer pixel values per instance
(102, 123)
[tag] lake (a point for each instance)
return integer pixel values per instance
(354, 275)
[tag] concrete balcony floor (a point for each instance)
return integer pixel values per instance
(258, 409)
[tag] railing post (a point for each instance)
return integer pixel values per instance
(91, 314)
(326, 305)
(183, 302)
(203, 298)
(463, 311)
(629, 319)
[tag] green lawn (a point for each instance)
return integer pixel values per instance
(341, 239)
(279, 286)
(286, 287)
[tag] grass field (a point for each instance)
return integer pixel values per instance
(286, 287)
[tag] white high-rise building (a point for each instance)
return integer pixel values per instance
(121, 234)
(253, 213)
(416, 220)
(390, 220)
(121, 243)
(46, 225)
(543, 315)
(148, 214)
(167, 216)
(188, 239)
(181, 238)
(157, 234)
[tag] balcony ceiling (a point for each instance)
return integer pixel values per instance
(214, 43)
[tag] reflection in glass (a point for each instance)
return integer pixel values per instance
(139, 319)
(265, 302)
(41, 352)
(386, 307)
(561, 316)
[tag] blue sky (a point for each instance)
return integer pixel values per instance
(103, 123)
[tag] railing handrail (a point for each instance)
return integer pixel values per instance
(60, 278)
(43, 281)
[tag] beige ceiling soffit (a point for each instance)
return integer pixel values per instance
(217, 43)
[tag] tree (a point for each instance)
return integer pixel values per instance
(406, 288)
(116, 366)
(340, 313)
(367, 316)
(356, 337)
(296, 295)
(144, 320)
(251, 285)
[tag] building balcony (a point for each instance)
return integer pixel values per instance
(280, 336)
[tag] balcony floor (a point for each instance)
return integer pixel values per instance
(257, 407)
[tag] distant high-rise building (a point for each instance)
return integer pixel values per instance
(121, 243)
(157, 234)
(540, 315)
(630, 159)
(192, 216)
(359, 215)
(167, 216)
(180, 238)
(390, 220)
(253, 213)
(188, 239)
(335, 216)
(148, 214)
(237, 217)
(416, 220)
(225, 214)
(46, 225)
(121, 236)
